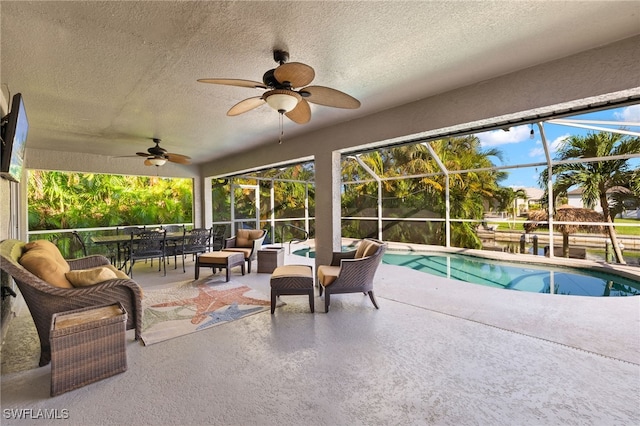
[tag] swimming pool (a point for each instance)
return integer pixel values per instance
(513, 276)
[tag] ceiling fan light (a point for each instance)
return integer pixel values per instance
(157, 161)
(282, 100)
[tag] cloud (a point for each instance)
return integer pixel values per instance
(538, 151)
(500, 137)
(631, 113)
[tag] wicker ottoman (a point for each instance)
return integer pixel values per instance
(292, 279)
(87, 345)
(219, 259)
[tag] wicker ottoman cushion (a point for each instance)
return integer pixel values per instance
(216, 257)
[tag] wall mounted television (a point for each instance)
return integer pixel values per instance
(15, 127)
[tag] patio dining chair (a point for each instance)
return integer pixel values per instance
(70, 244)
(193, 242)
(172, 243)
(217, 237)
(147, 245)
(122, 249)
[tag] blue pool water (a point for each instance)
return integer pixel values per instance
(514, 276)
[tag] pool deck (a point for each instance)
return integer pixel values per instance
(587, 323)
(438, 351)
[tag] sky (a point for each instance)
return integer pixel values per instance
(518, 147)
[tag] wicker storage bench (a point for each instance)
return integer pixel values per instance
(87, 345)
(269, 258)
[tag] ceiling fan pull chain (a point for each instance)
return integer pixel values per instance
(281, 128)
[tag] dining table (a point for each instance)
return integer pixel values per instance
(122, 239)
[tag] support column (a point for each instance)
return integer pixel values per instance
(328, 213)
(202, 205)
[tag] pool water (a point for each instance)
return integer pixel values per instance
(514, 276)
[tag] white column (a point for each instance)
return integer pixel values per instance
(328, 201)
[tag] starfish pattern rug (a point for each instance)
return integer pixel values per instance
(197, 305)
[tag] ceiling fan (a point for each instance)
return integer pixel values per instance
(157, 156)
(286, 91)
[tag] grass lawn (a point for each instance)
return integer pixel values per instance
(517, 225)
(628, 230)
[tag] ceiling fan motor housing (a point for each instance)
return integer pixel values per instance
(157, 151)
(269, 79)
(280, 56)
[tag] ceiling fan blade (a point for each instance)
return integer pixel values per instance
(301, 114)
(296, 73)
(246, 105)
(147, 162)
(234, 82)
(142, 154)
(329, 97)
(178, 158)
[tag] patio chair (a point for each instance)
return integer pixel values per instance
(147, 245)
(217, 237)
(45, 297)
(171, 244)
(247, 242)
(70, 244)
(122, 249)
(193, 242)
(352, 271)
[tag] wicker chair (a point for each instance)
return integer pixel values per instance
(352, 271)
(44, 300)
(247, 242)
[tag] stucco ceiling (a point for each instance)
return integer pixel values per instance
(105, 77)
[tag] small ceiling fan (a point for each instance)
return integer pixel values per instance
(157, 156)
(286, 91)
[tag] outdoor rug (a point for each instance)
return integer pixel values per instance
(192, 306)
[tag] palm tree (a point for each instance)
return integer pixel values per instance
(407, 197)
(59, 200)
(596, 178)
(507, 197)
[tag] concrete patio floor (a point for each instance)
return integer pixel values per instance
(436, 352)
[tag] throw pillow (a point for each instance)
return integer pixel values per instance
(88, 277)
(43, 259)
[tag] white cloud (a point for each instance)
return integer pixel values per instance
(631, 113)
(500, 137)
(538, 151)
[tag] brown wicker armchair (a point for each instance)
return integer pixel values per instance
(44, 299)
(247, 242)
(352, 271)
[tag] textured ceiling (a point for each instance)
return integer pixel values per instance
(105, 77)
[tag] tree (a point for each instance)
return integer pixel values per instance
(596, 178)
(507, 197)
(425, 196)
(61, 200)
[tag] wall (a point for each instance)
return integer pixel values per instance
(8, 229)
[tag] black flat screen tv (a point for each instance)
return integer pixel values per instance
(14, 139)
